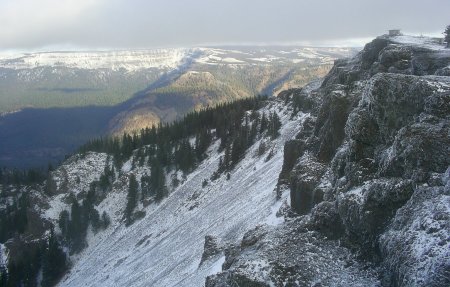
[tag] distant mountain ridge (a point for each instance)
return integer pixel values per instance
(54, 95)
(115, 60)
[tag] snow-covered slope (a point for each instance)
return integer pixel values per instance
(165, 247)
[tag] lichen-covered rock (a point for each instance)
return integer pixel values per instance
(231, 253)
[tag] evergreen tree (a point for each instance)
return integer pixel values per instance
(447, 36)
(274, 126)
(146, 187)
(77, 228)
(131, 198)
(185, 157)
(3, 276)
(54, 263)
(264, 124)
(158, 181)
(64, 222)
(106, 221)
(94, 218)
(254, 129)
(202, 142)
(226, 159)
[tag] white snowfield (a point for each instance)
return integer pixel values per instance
(115, 60)
(165, 247)
(425, 42)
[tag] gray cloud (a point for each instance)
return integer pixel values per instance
(34, 24)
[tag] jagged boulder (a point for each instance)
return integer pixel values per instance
(293, 256)
(393, 101)
(366, 210)
(399, 128)
(252, 236)
(304, 179)
(439, 104)
(211, 248)
(417, 151)
(396, 59)
(325, 219)
(371, 51)
(231, 253)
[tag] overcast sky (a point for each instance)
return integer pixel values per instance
(119, 24)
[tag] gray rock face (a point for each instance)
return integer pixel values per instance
(365, 211)
(371, 172)
(416, 246)
(293, 149)
(395, 138)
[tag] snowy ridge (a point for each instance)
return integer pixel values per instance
(115, 60)
(425, 42)
(134, 60)
(165, 247)
(270, 55)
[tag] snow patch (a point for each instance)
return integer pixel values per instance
(3, 256)
(216, 267)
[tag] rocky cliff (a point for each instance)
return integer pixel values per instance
(368, 175)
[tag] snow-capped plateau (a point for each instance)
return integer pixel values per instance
(115, 60)
(271, 55)
(134, 60)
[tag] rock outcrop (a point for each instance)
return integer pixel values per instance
(369, 172)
